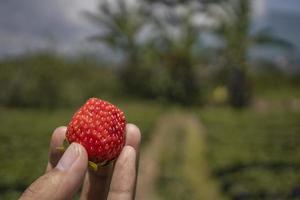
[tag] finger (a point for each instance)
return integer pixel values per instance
(57, 140)
(64, 180)
(96, 184)
(124, 176)
(133, 138)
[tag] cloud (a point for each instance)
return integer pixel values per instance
(259, 8)
(30, 24)
(34, 24)
(292, 6)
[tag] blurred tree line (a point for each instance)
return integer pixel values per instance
(165, 48)
(172, 50)
(48, 80)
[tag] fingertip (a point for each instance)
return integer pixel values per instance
(74, 156)
(133, 136)
(129, 151)
(58, 136)
(83, 152)
(127, 157)
(60, 129)
(133, 128)
(57, 140)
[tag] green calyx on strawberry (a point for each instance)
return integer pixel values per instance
(99, 126)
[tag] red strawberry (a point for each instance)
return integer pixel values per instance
(100, 127)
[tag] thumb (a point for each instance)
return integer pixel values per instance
(64, 180)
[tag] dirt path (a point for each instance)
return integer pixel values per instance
(263, 105)
(176, 150)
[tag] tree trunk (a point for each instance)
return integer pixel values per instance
(239, 88)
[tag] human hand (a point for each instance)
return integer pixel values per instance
(67, 171)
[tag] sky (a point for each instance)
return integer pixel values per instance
(27, 25)
(30, 25)
(282, 16)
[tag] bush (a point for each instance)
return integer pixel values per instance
(46, 80)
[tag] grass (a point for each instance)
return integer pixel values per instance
(255, 155)
(24, 139)
(252, 154)
(25, 136)
(280, 93)
(276, 87)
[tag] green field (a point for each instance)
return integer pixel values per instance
(252, 154)
(25, 136)
(255, 155)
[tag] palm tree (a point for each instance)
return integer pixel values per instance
(234, 17)
(176, 46)
(120, 23)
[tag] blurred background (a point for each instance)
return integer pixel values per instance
(214, 85)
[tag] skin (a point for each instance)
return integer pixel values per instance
(67, 172)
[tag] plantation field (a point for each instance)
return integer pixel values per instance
(249, 154)
(254, 155)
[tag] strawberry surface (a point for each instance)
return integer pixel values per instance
(99, 126)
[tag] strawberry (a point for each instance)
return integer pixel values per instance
(99, 126)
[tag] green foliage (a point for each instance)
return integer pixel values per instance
(158, 66)
(121, 25)
(254, 155)
(234, 19)
(276, 86)
(24, 137)
(164, 54)
(179, 54)
(47, 80)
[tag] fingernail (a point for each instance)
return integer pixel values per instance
(69, 157)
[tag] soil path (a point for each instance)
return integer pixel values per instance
(190, 141)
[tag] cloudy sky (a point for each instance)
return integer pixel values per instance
(31, 24)
(27, 25)
(282, 16)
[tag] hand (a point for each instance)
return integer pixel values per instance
(67, 171)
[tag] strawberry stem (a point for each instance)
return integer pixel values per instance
(93, 166)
